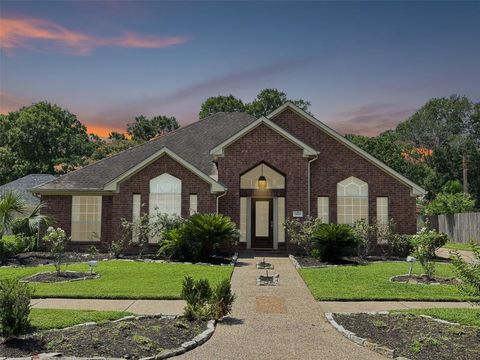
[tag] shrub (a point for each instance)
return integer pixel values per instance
(315, 253)
(14, 308)
(425, 243)
(222, 300)
(199, 237)
(333, 239)
(56, 240)
(202, 302)
(117, 248)
(468, 272)
(365, 236)
(300, 232)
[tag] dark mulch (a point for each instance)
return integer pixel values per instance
(132, 339)
(51, 277)
(423, 279)
(415, 337)
(308, 261)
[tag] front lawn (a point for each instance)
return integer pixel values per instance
(458, 246)
(46, 319)
(466, 316)
(371, 282)
(123, 280)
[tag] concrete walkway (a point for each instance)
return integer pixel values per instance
(141, 307)
(445, 253)
(281, 322)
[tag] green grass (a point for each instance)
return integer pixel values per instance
(46, 319)
(462, 316)
(458, 246)
(371, 282)
(123, 280)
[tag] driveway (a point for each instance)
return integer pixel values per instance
(276, 322)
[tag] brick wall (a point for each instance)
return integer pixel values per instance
(337, 162)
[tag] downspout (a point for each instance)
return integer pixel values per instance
(309, 183)
(219, 196)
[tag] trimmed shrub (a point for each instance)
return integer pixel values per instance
(222, 300)
(332, 240)
(300, 233)
(14, 308)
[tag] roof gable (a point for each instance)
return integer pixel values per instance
(416, 189)
(307, 150)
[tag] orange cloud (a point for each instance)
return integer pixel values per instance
(21, 33)
(102, 131)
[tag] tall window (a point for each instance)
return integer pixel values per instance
(86, 218)
(165, 195)
(136, 208)
(193, 204)
(352, 200)
(382, 210)
(322, 209)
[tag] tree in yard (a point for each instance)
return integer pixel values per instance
(221, 103)
(450, 201)
(144, 129)
(469, 272)
(41, 138)
(270, 99)
(116, 136)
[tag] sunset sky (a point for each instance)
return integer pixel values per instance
(363, 66)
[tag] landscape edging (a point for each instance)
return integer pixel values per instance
(165, 354)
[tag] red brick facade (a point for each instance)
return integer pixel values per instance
(335, 163)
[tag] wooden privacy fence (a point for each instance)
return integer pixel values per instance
(460, 227)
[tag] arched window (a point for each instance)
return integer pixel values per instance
(352, 200)
(165, 195)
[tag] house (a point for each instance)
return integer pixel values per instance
(23, 185)
(256, 171)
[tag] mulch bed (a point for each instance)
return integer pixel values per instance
(423, 279)
(131, 339)
(308, 261)
(52, 277)
(415, 337)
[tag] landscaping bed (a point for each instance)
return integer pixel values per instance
(134, 339)
(53, 277)
(424, 279)
(414, 337)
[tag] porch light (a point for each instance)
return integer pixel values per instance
(262, 181)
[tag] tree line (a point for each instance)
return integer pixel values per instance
(439, 143)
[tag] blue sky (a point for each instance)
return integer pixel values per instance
(364, 66)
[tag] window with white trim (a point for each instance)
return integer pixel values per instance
(352, 200)
(281, 219)
(86, 218)
(323, 209)
(243, 219)
(382, 210)
(193, 204)
(136, 206)
(165, 195)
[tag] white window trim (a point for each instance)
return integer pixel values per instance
(86, 218)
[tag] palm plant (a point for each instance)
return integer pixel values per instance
(332, 239)
(11, 203)
(29, 224)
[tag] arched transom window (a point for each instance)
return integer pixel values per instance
(165, 195)
(352, 200)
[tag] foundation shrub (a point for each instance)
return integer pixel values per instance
(333, 240)
(14, 308)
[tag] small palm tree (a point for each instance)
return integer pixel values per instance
(11, 203)
(30, 223)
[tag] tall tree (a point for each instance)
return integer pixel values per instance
(115, 135)
(144, 129)
(221, 103)
(41, 138)
(270, 99)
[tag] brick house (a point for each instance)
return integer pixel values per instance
(257, 171)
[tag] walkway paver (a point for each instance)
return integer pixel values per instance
(445, 253)
(295, 328)
(141, 307)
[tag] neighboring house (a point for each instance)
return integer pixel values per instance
(23, 186)
(257, 171)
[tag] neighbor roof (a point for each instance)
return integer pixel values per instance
(25, 183)
(192, 143)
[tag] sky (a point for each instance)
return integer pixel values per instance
(364, 66)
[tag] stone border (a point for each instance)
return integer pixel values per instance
(165, 354)
(26, 279)
(383, 350)
(298, 266)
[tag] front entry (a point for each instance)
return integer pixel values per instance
(262, 223)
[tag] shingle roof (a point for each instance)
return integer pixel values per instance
(192, 143)
(27, 182)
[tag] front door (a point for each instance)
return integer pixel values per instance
(262, 223)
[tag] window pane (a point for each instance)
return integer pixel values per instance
(86, 218)
(323, 208)
(193, 204)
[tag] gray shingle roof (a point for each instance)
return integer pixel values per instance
(27, 182)
(192, 143)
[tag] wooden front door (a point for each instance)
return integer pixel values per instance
(262, 223)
